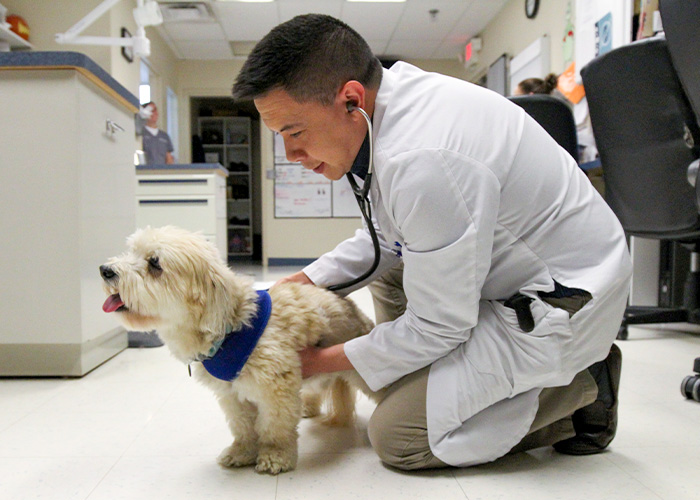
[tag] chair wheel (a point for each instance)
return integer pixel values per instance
(690, 387)
(622, 333)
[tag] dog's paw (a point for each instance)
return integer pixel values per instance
(274, 461)
(237, 456)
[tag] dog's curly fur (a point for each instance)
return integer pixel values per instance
(175, 282)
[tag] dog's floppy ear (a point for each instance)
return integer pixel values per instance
(214, 294)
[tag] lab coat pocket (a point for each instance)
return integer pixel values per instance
(534, 359)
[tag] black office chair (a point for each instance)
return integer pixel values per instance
(680, 19)
(554, 115)
(646, 133)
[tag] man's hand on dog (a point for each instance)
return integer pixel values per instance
(315, 360)
(298, 277)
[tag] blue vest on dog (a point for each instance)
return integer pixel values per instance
(227, 361)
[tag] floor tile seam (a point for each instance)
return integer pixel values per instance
(56, 393)
(125, 450)
(691, 446)
(35, 456)
(12, 424)
(355, 451)
(668, 406)
(635, 479)
(104, 476)
(145, 424)
(453, 473)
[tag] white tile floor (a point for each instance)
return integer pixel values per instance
(138, 428)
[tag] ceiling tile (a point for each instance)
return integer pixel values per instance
(378, 46)
(290, 8)
(417, 22)
(477, 17)
(373, 21)
(404, 30)
(205, 50)
(412, 49)
(246, 21)
(194, 31)
(449, 49)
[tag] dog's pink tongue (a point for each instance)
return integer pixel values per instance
(112, 303)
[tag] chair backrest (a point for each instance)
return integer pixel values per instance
(641, 123)
(554, 115)
(681, 20)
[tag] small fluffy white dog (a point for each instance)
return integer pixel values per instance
(175, 282)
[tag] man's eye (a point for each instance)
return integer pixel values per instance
(154, 263)
(295, 134)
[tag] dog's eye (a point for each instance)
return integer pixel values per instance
(154, 263)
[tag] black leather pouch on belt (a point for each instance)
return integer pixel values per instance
(521, 305)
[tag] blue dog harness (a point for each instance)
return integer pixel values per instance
(225, 360)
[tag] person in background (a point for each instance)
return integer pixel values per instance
(587, 150)
(497, 334)
(538, 85)
(156, 143)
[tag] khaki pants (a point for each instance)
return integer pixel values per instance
(398, 428)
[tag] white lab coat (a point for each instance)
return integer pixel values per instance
(480, 203)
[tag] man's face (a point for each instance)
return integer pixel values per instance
(153, 120)
(322, 138)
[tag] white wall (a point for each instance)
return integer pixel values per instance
(48, 17)
(511, 31)
(45, 18)
(588, 13)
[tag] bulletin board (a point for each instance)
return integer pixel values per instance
(300, 193)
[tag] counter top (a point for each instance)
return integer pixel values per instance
(180, 168)
(69, 60)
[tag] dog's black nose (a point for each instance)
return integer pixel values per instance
(107, 273)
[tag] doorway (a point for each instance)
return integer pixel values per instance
(227, 132)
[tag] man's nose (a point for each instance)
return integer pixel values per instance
(295, 155)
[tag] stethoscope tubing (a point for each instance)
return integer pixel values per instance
(362, 197)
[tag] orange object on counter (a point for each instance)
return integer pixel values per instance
(18, 25)
(567, 85)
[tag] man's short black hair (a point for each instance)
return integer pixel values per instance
(310, 57)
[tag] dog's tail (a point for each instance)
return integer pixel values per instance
(341, 403)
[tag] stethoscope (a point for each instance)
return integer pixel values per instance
(361, 195)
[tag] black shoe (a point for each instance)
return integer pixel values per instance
(596, 424)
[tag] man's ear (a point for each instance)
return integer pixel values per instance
(352, 94)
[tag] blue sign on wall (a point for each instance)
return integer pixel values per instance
(603, 35)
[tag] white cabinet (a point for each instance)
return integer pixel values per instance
(66, 199)
(192, 197)
(227, 140)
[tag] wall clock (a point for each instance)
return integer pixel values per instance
(531, 7)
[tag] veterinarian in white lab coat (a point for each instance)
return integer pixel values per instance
(481, 206)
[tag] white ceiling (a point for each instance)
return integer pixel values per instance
(393, 30)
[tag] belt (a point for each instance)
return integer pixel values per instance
(521, 304)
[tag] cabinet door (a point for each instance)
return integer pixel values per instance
(106, 195)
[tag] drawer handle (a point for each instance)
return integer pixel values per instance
(173, 202)
(172, 181)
